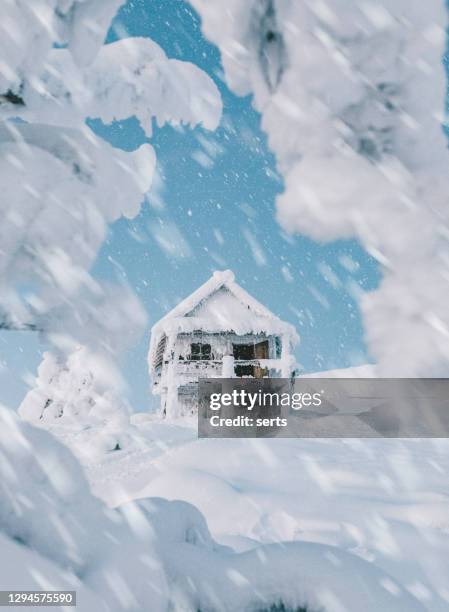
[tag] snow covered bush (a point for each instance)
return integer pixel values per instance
(77, 388)
(79, 399)
(352, 97)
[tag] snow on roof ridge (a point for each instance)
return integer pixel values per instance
(220, 278)
(192, 300)
(224, 276)
(246, 298)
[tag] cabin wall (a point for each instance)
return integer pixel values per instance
(177, 379)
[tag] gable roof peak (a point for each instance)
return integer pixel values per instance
(224, 276)
(219, 279)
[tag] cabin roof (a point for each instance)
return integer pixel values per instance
(220, 305)
(217, 281)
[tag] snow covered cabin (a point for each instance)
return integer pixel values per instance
(218, 331)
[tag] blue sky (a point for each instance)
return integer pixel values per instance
(219, 215)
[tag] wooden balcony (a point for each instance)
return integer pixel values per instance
(192, 370)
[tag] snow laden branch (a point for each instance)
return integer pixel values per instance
(352, 96)
(29, 30)
(59, 192)
(61, 185)
(130, 77)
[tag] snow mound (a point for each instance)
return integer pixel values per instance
(45, 500)
(25, 569)
(157, 550)
(313, 576)
(363, 371)
(378, 499)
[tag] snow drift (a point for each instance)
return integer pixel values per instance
(156, 550)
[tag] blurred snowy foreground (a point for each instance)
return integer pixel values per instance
(170, 522)
(140, 515)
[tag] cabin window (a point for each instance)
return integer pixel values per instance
(159, 354)
(244, 352)
(250, 352)
(200, 352)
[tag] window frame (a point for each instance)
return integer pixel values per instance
(199, 353)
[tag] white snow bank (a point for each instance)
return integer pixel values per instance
(206, 576)
(363, 371)
(23, 569)
(45, 500)
(46, 506)
(382, 500)
(155, 550)
(318, 577)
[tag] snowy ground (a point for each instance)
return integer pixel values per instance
(386, 501)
